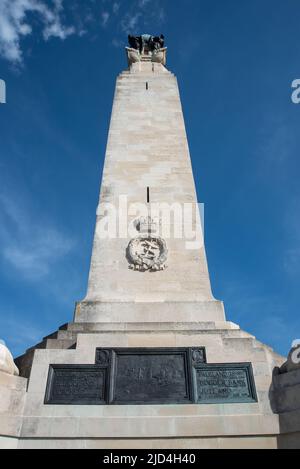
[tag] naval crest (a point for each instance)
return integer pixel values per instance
(147, 253)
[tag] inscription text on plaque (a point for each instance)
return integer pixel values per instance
(124, 376)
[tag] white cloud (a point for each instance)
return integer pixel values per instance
(28, 245)
(116, 8)
(140, 15)
(15, 24)
(143, 3)
(117, 43)
(21, 18)
(104, 18)
(33, 256)
(19, 333)
(276, 142)
(291, 261)
(291, 253)
(129, 22)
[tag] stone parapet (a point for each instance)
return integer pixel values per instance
(12, 401)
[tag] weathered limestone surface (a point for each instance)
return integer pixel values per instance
(149, 311)
(12, 400)
(158, 443)
(147, 147)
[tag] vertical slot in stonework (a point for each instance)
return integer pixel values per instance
(148, 195)
(147, 86)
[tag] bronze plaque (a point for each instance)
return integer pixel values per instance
(225, 383)
(159, 376)
(76, 384)
(143, 376)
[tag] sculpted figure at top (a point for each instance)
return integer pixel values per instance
(146, 40)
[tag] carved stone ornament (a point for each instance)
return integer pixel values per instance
(147, 225)
(147, 253)
(160, 56)
(7, 364)
(133, 55)
(293, 360)
(102, 357)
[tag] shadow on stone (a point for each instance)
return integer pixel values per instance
(284, 395)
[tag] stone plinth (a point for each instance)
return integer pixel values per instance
(149, 312)
(153, 426)
(286, 402)
(12, 400)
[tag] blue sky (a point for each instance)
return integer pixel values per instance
(235, 61)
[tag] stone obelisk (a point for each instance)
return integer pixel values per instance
(147, 156)
(149, 360)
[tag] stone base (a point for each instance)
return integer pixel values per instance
(33, 424)
(155, 444)
(145, 313)
(247, 425)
